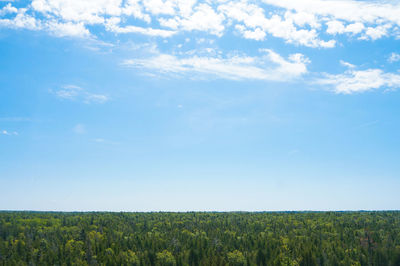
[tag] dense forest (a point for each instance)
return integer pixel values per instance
(200, 238)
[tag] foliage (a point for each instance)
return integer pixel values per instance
(193, 238)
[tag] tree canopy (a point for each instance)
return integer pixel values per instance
(200, 238)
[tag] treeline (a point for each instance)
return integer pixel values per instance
(287, 238)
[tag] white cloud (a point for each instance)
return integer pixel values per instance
(355, 28)
(268, 66)
(68, 92)
(8, 133)
(86, 11)
(203, 18)
(22, 20)
(303, 19)
(135, 9)
(158, 7)
(95, 98)
(356, 81)
(300, 22)
(256, 34)
(295, 66)
(394, 57)
(348, 10)
(375, 33)
(348, 16)
(335, 27)
(254, 21)
(112, 24)
(347, 64)
(68, 29)
(76, 93)
(8, 9)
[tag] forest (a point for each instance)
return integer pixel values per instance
(200, 238)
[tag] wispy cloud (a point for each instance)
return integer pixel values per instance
(268, 66)
(356, 81)
(347, 64)
(76, 93)
(394, 57)
(8, 133)
(112, 24)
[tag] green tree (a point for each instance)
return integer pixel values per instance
(236, 258)
(165, 258)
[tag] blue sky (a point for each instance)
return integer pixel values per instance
(148, 105)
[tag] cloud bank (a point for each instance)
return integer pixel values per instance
(311, 23)
(320, 24)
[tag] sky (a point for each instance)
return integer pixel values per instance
(185, 105)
